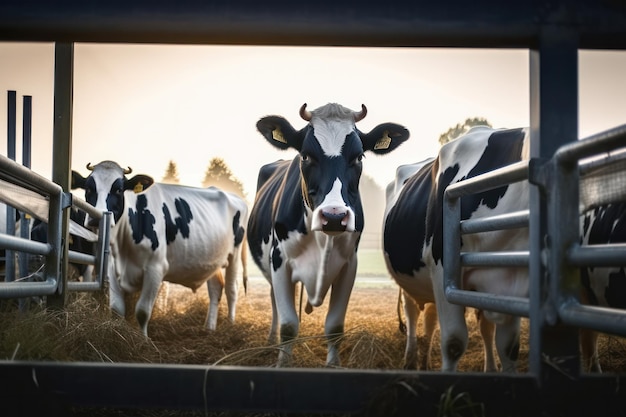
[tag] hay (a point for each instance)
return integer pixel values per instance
(86, 331)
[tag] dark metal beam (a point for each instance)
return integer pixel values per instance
(450, 23)
(54, 386)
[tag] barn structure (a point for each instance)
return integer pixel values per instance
(553, 31)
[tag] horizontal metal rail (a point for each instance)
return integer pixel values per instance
(602, 319)
(613, 254)
(514, 220)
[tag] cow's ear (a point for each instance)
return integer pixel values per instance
(384, 138)
(279, 132)
(78, 181)
(138, 183)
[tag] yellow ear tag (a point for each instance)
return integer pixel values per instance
(278, 135)
(138, 188)
(384, 142)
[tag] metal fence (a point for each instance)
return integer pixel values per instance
(47, 200)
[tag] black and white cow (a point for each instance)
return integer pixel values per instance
(602, 286)
(307, 217)
(413, 236)
(403, 240)
(165, 232)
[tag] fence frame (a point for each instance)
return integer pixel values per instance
(553, 32)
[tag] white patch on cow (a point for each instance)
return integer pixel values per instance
(331, 134)
(331, 124)
(317, 260)
(334, 203)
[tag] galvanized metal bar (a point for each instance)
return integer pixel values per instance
(26, 245)
(592, 145)
(515, 220)
(488, 181)
(516, 306)
(37, 182)
(602, 319)
(495, 258)
(613, 254)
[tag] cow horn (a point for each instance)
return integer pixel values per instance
(128, 171)
(361, 115)
(89, 167)
(305, 114)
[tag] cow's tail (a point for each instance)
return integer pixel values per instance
(244, 263)
(401, 325)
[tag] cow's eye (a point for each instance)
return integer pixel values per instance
(358, 159)
(304, 157)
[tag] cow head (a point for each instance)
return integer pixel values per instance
(105, 186)
(331, 151)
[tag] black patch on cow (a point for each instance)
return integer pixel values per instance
(404, 232)
(180, 223)
(142, 222)
(615, 292)
(608, 226)
(277, 259)
(238, 230)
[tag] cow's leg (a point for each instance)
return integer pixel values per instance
(152, 278)
(507, 342)
(215, 286)
(284, 292)
(336, 316)
(273, 336)
(430, 325)
(487, 330)
(231, 286)
(452, 325)
(116, 294)
(412, 313)
(589, 351)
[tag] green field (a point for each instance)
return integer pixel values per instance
(371, 264)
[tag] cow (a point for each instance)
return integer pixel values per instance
(413, 245)
(166, 232)
(602, 286)
(307, 217)
(401, 243)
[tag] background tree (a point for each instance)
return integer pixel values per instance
(219, 175)
(456, 131)
(171, 174)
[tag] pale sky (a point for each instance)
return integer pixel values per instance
(144, 105)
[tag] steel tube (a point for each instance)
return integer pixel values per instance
(514, 220)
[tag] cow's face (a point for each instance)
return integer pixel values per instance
(105, 186)
(331, 151)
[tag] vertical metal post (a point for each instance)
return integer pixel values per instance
(62, 149)
(26, 161)
(554, 122)
(11, 133)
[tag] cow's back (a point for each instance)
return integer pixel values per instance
(190, 231)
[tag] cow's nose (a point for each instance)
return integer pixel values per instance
(333, 221)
